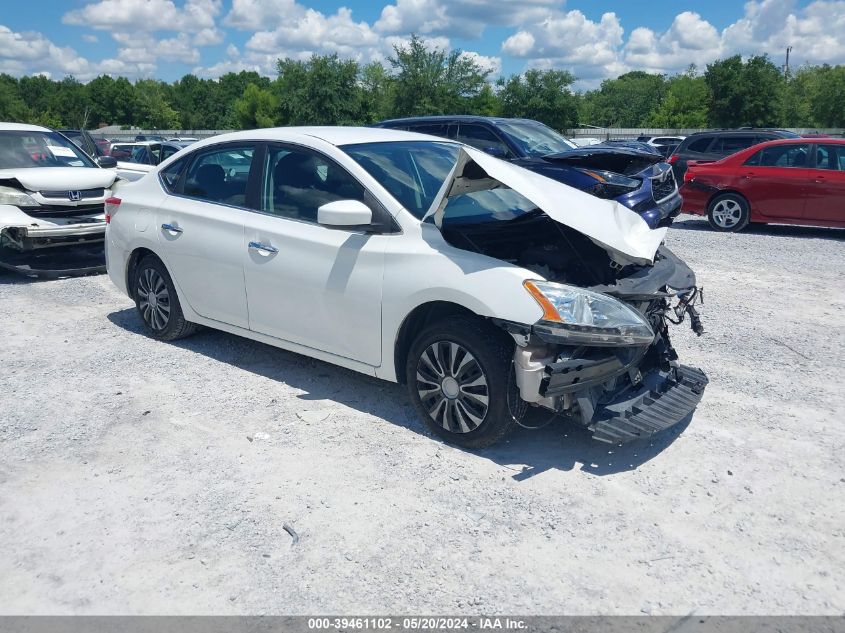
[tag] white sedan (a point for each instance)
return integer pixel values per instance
(484, 287)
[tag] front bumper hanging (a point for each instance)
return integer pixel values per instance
(663, 400)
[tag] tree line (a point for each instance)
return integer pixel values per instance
(418, 80)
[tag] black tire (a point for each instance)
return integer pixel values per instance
(481, 348)
(728, 212)
(162, 316)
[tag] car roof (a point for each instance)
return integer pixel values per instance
(22, 127)
(445, 118)
(738, 131)
(334, 135)
(802, 141)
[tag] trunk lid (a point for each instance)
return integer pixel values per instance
(621, 232)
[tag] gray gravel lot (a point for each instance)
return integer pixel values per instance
(146, 477)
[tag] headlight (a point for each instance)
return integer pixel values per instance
(9, 195)
(612, 178)
(589, 318)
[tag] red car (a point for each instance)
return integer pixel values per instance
(788, 181)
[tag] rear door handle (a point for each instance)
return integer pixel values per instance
(171, 228)
(264, 248)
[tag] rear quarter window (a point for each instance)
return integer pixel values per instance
(700, 145)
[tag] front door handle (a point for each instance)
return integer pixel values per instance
(264, 248)
(171, 228)
(748, 176)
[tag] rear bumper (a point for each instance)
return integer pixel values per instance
(663, 400)
(696, 197)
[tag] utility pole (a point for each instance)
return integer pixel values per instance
(786, 67)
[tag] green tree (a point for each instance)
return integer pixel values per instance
(749, 93)
(256, 108)
(544, 95)
(321, 91)
(827, 98)
(377, 95)
(153, 109)
(685, 103)
(627, 101)
(434, 81)
(12, 106)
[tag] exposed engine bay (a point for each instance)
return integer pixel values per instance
(623, 392)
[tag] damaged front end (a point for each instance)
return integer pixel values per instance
(609, 291)
(621, 388)
(52, 234)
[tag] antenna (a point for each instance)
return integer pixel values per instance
(786, 66)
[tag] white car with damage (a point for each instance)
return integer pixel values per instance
(486, 288)
(52, 196)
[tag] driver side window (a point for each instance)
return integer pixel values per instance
(297, 182)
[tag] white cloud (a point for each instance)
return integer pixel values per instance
(493, 65)
(146, 15)
(459, 18)
(29, 53)
(570, 40)
(544, 34)
(253, 15)
(209, 37)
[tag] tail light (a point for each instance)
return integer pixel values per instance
(673, 159)
(111, 207)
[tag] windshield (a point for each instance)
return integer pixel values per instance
(19, 149)
(412, 171)
(534, 138)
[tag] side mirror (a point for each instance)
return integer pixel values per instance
(344, 213)
(107, 162)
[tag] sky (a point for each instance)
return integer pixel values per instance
(595, 40)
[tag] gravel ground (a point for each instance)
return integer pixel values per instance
(144, 477)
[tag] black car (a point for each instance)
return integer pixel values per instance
(716, 144)
(638, 179)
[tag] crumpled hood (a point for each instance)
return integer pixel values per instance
(60, 178)
(614, 227)
(622, 160)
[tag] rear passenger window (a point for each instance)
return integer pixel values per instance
(830, 157)
(732, 144)
(700, 145)
(781, 156)
(170, 176)
(220, 175)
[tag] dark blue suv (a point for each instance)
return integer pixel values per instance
(638, 179)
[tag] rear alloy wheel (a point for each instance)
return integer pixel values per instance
(728, 212)
(157, 302)
(460, 380)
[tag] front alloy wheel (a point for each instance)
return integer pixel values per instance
(460, 380)
(452, 387)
